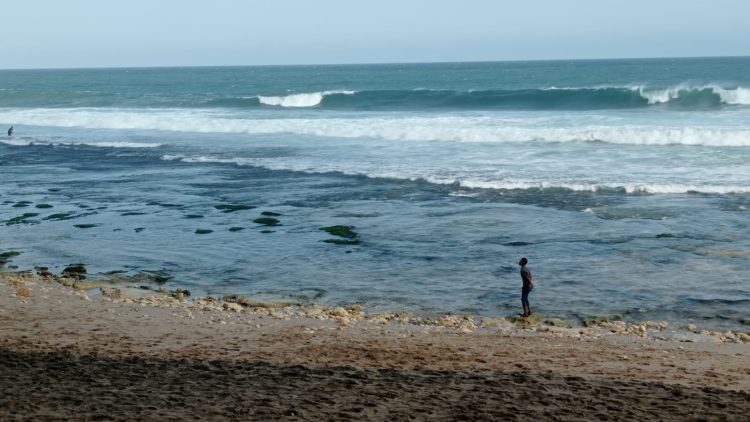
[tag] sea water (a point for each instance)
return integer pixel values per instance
(626, 183)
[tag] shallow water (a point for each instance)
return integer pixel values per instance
(638, 211)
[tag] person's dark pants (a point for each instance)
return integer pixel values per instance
(525, 299)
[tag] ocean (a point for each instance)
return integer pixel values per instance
(626, 183)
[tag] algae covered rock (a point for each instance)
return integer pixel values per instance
(236, 229)
(266, 221)
(85, 226)
(270, 214)
(203, 231)
(75, 271)
(341, 231)
(350, 237)
(525, 322)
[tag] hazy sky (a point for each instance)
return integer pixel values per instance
(95, 33)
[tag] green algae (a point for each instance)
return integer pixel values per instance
(22, 219)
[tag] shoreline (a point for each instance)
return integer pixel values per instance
(102, 347)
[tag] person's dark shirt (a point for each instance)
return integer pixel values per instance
(526, 276)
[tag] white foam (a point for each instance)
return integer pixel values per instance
(461, 181)
(300, 100)
(392, 127)
(123, 144)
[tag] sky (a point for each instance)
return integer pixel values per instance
(133, 33)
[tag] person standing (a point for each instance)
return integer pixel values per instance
(528, 285)
(10, 132)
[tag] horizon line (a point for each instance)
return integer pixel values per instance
(377, 63)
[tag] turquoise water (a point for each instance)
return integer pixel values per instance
(625, 182)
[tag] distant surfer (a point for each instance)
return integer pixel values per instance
(10, 132)
(528, 286)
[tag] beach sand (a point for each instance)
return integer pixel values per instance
(69, 355)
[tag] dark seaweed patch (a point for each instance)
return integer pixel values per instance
(342, 241)
(267, 221)
(85, 226)
(232, 207)
(203, 231)
(6, 256)
(59, 216)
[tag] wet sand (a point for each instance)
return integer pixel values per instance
(65, 355)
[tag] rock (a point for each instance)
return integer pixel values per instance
(111, 293)
(23, 292)
(179, 294)
(558, 323)
(745, 337)
(692, 327)
(338, 312)
(231, 306)
(343, 320)
(314, 312)
(75, 271)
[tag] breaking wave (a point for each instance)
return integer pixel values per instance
(487, 129)
(459, 182)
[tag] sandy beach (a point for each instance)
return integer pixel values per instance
(113, 354)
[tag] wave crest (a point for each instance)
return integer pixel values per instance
(300, 100)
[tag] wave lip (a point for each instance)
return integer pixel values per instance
(696, 95)
(310, 99)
